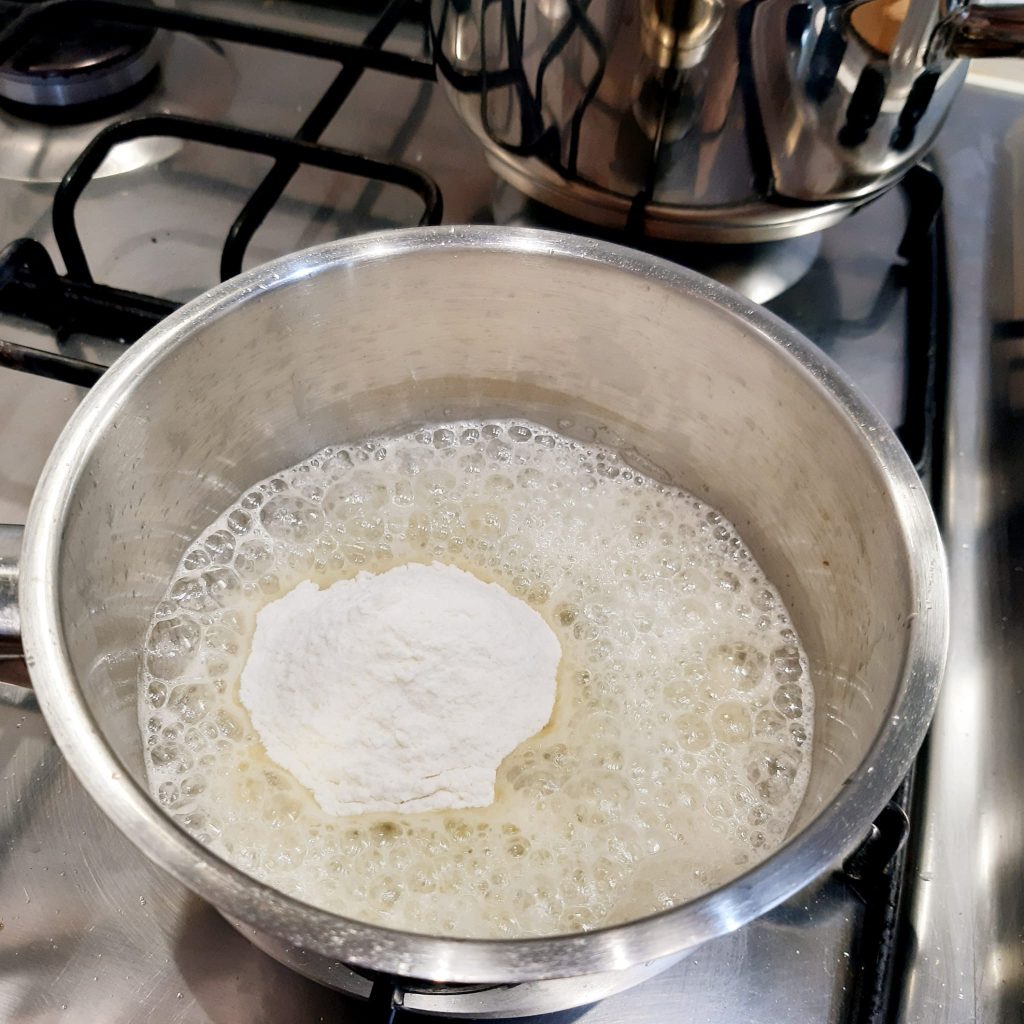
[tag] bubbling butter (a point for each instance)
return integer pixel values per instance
(679, 747)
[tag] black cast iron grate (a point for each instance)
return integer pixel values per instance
(31, 288)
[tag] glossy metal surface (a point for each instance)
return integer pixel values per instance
(708, 120)
(799, 963)
(93, 931)
(759, 270)
(10, 620)
(966, 926)
(75, 932)
(739, 409)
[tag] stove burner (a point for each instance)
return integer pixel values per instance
(197, 81)
(79, 67)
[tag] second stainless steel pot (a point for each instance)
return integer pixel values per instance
(710, 120)
(375, 334)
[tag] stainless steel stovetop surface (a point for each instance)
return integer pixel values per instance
(91, 931)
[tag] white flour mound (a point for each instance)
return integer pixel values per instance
(401, 691)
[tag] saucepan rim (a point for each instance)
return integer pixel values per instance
(830, 835)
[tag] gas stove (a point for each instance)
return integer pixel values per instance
(218, 135)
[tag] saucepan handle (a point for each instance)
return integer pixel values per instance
(10, 620)
(986, 30)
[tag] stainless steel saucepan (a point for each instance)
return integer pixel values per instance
(386, 331)
(710, 120)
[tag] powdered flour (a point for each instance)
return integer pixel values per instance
(402, 691)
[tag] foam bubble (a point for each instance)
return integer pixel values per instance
(679, 749)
